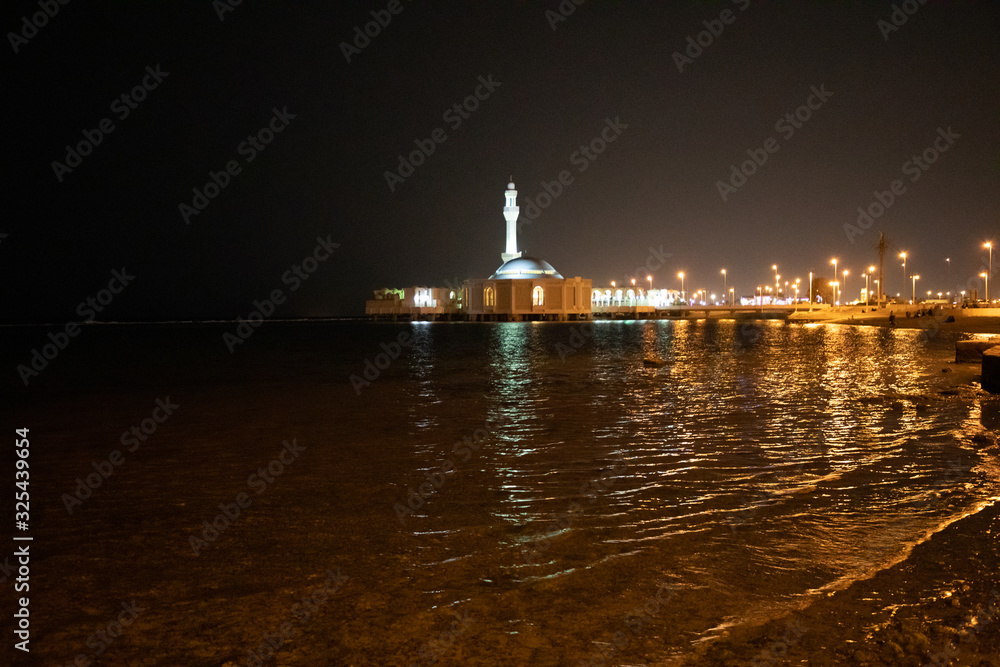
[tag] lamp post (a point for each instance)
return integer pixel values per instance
(760, 296)
(871, 272)
(681, 276)
(845, 282)
(915, 279)
(903, 255)
(725, 283)
(867, 294)
(987, 277)
(834, 262)
(732, 297)
(810, 290)
(989, 245)
(776, 276)
(948, 262)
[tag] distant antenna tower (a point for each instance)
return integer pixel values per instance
(882, 244)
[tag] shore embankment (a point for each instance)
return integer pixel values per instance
(962, 320)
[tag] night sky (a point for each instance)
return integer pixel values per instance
(887, 90)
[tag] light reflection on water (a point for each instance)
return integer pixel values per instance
(761, 451)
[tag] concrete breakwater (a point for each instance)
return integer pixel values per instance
(991, 370)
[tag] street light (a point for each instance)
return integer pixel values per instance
(776, 276)
(989, 244)
(987, 277)
(681, 276)
(845, 279)
(915, 279)
(760, 296)
(725, 282)
(867, 293)
(834, 262)
(810, 290)
(650, 279)
(871, 272)
(903, 255)
(732, 297)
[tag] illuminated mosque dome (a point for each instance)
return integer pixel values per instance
(525, 267)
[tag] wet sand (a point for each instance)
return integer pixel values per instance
(938, 606)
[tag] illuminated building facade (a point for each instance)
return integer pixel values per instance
(524, 288)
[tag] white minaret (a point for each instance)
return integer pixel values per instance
(510, 212)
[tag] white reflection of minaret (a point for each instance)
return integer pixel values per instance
(510, 212)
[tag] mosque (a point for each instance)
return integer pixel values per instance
(522, 289)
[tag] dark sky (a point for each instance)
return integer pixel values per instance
(323, 174)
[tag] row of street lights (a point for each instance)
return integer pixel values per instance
(838, 291)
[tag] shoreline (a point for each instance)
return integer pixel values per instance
(938, 604)
(941, 601)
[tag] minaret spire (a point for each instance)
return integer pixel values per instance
(510, 213)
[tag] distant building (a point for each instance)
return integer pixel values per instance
(524, 288)
(415, 303)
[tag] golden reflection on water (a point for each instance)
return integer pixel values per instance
(741, 410)
(759, 447)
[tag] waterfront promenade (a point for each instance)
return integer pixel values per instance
(969, 320)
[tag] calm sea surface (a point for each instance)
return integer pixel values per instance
(523, 493)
